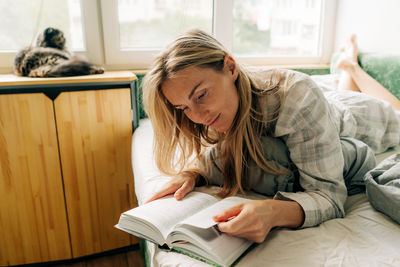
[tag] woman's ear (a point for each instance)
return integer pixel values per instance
(231, 67)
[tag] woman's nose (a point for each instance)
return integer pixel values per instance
(199, 115)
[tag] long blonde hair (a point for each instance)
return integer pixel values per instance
(173, 130)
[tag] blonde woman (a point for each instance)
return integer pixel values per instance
(274, 132)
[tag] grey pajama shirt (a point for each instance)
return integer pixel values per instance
(328, 140)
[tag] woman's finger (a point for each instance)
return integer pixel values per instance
(238, 225)
(167, 190)
(228, 213)
(183, 190)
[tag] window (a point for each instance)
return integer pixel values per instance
(272, 30)
(26, 18)
(23, 20)
(258, 32)
(127, 34)
(136, 30)
(147, 24)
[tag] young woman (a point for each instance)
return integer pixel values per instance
(274, 132)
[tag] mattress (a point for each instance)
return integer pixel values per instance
(364, 237)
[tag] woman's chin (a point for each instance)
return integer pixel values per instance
(220, 129)
(217, 130)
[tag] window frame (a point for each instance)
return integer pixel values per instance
(222, 28)
(114, 56)
(91, 23)
(327, 33)
(100, 27)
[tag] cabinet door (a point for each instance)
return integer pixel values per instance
(95, 129)
(33, 223)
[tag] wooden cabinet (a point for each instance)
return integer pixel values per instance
(33, 218)
(65, 166)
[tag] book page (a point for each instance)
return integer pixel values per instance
(203, 219)
(210, 244)
(198, 235)
(166, 212)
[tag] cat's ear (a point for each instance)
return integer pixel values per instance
(48, 30)
(40, 39)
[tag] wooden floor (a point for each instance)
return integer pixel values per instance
(127, 257)
(122, 259)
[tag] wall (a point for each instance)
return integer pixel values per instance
(376, 23)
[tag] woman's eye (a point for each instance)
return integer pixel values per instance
(184, 109)
(202, 95)
(181, 108)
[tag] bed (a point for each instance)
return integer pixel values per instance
(364, 237)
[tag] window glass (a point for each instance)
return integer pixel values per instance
(276, 27)
(25, 19)
(154, 23)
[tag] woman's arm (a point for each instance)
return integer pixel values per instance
(309, 129)
(306, 125)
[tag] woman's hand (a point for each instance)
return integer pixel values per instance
(253, 220)
(179, 185)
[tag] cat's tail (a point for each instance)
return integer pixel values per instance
(74, 67)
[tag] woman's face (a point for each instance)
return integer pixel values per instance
(206, 96)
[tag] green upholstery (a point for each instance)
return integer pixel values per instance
(139, 93)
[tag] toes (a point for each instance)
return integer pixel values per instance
(353, 38)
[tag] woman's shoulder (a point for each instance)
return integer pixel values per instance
(283, 76)
(263, 71)
(298, 84)
(289, 83)
(295, 78)
(286, 89)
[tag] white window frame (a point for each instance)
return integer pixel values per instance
(327, 35)
(101, 32)
(114, 55)
(92, 38)
(223, 24)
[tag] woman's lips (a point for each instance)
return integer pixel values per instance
(215, 120)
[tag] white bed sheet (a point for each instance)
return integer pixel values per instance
(365, 237)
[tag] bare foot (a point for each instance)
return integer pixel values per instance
(348, 55)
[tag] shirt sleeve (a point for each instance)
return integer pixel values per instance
(306, 125)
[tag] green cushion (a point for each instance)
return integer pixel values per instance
(139, 99)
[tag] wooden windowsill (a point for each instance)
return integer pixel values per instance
(108, 76)
(115, 75)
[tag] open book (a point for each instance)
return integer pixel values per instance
(187, 226)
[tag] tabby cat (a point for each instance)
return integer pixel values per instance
(50, 58)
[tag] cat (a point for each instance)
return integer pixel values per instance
(50, 58)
